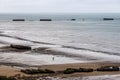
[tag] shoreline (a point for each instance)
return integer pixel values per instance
(13, 69)
(7, 70)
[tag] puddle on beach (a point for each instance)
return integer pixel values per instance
(35, 59)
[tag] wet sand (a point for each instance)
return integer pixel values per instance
(12, 71)
(82, 65)
(9, 69)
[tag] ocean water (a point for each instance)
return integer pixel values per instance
(105, 77)
(89, 38)
(60, 17)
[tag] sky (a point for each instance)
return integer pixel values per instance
(59, 6)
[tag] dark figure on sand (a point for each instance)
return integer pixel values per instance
(53, 58)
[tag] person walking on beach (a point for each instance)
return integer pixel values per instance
(53, 58)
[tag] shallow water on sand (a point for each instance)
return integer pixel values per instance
(105, 77)
(35, 59)
(73, 41)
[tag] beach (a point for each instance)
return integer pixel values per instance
(14, 71)
(58, 45)
(9, 68)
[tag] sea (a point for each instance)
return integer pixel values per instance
(87, 38)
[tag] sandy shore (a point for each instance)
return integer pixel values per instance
(82, 65)
(8, 70)
(12, 71)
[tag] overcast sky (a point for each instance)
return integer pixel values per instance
(59, 6)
